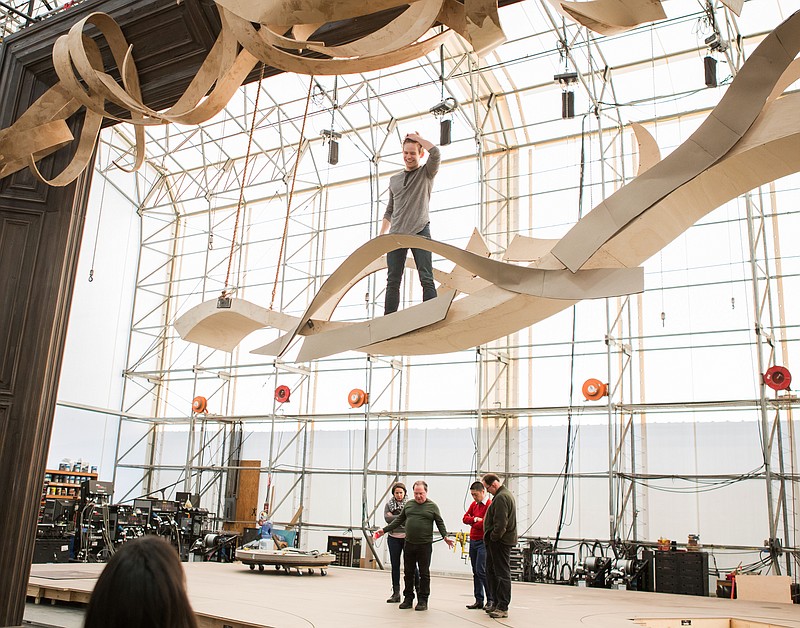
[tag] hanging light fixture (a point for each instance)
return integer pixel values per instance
(710, 69)
(444, 108)
(567, 80)
(715, 43)
(330, 136)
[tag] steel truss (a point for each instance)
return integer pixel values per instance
(777, 432)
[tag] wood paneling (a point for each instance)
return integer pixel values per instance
(19, 243)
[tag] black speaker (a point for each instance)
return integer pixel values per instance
(710, 66)
(445, 129)
(567, 104)
(333, 152)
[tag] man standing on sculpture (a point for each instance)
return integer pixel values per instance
(418, 516)
(407, 213)
(500, 535)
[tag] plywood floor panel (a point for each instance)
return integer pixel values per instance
(354, 598)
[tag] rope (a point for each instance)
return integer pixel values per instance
(241, 189)
(100, 213)
(291, 195)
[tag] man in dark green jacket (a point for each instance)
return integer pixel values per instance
(418, 516)
(500, 535)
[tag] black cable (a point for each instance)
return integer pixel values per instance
(701, 486)
(569, 445)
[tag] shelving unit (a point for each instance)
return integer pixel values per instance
(62, 484)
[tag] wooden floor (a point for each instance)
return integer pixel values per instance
(232, 595)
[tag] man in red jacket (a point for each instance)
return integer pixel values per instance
(477, 551)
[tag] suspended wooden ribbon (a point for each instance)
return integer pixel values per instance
(609, 17)
(84, 83)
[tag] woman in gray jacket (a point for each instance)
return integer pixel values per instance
(396, 538)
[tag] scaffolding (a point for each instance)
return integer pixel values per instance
(187, 200)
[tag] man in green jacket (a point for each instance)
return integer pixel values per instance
(418, 516)
(500, 535)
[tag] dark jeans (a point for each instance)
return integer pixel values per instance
(417, 556)
(395, 555)
(477, 556)
(396, 263)
(498, 573)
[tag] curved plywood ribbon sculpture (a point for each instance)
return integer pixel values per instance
(41, 130)
(476, 21)
(734, 5)
(791, 75)
(85, 83)
(724, 127)
(649, 152)
(291, 12)
(224, 328)
(547, 284)
(259, 43)
(609, 17)
(410, 26)
(355, 336)
(769, 150)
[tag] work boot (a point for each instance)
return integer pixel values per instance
(407, 603)
(395, 596)
(422, 605)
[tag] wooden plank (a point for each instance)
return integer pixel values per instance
(764, 589)
(247, 499)
(232, 595)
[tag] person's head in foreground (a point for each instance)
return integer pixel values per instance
(142, 585)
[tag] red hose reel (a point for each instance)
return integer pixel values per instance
(200, 405)
(594, 389)
(282, 394)
(778, 378)
(357, 398)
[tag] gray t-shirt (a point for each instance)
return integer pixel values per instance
(410, 195)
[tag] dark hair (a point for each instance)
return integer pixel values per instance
(422, 483)
(477, 486)
(490, 478)
(142, 585)
(397, 485)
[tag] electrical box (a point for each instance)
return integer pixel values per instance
(681, 572)
(347, 550)
(51, 551)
